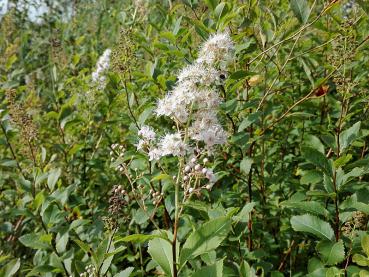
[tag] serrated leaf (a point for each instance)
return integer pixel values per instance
(250, 119)
(125, 273)
(301, 10)
(318, 159)
(360, 260)
(161, 252)
(311, 224)
(307, 206)
(215, 270)
(356, 172)
(349, 135)
(332, 253)
(206, 238)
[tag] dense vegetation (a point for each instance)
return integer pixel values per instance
(185, 138)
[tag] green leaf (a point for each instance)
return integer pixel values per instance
(349, 135)
(36, 241)
(211, 3)
(301, 10)
(208, 237)
(318, 159)
(53, 178)
(365, 244)
(307, 206)
(125, 273)
(360, 260)
(246, 270)
(11, 268)
(332, 252)
(245, 165)
(356, 172)
(311, 224)
(243, 215)
(215, 270)
(364, 5)
(250, 119)
(138, 238)
(161, 252)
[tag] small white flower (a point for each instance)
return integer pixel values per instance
(102, 66)
(172, 144)
(154, 154)
(217, 48)
(147, 133)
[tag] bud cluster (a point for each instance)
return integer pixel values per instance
(89, 271)
(195, 171)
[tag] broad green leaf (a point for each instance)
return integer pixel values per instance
(365, 244)
(360, 260)
(349, 135)
(206, 238)
(344, 179)
(11, 268)
(307, 206)
(311, 177)
(301, 10)
(36, 241)
(161, 252)
(243, 215)
(311, 224)
(245, 165)
(318, 159)
(125, 273)
(250, 119)
(246, 270)
(332, 253)
(138, 238)
(215, 270)
(53, 178)
(343, 160)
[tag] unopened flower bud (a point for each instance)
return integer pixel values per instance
(197, 167)
(204, 170)
(187, 168)
(205, 160)
(254, 80)
(185, 178)
(193, 160)
(208, 187)
(190, 190)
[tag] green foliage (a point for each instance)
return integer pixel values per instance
(285, 195)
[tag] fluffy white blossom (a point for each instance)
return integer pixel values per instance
(154, 154)
(147, 133)
(102, 65)
(199, 73)
(217, 48)
(195, 94)
(172, 144)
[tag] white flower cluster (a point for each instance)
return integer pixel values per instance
(102, 65)
(195, 92)
(170, 144)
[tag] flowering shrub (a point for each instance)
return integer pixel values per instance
(184, 138)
